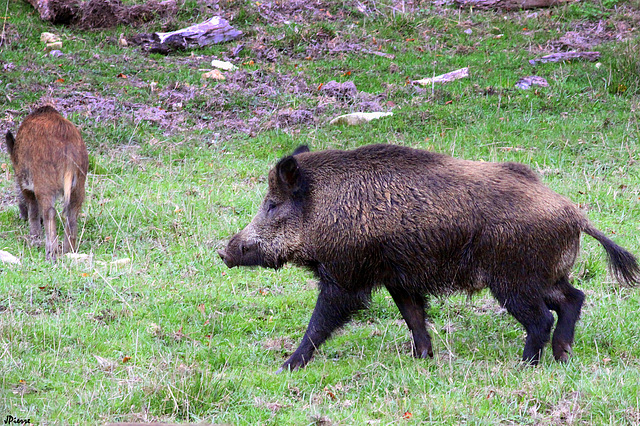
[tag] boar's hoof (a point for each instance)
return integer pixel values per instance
(427, 353)
(293, 363)
(562, 352)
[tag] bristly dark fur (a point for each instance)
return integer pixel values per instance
(50, 159)
(420, 223)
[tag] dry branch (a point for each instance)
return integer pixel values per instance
(214, 30)
(566, 56)
(510, 4)
(444, 78)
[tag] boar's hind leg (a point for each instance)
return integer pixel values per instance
(532, 312)
(334, 308)
(48, 212)
(71, 220)
(23, 206)
(411, 307)
(567, 301)
(33, 213)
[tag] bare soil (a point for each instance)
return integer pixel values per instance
(252, 101)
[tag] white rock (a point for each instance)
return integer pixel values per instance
(49, 38)
(359, 118)
(121, 262)
(223, 65)
(79, 257)
(7, 257)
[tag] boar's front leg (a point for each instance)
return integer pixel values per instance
(411, 307)
(334, 308)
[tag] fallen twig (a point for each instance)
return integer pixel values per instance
(566, 56)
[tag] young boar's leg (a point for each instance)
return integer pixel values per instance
(71, 221)
(49, 219)
(532, 312)
(334, 308)
(33, 213)
(23, 206)
(567, 301)
(411, 307)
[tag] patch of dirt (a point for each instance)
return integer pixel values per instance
(100, 14)
(8, 198)
(274, 407)
(279, 344)
(342, 91)
(587, 34)
(568, 411)
(300, 11)
(290, 117)
(8, 36)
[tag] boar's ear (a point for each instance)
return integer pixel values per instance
(10, 142)
(288, 174)
(301, 149)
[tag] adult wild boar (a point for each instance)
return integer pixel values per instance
(50, 159)
(422, 224)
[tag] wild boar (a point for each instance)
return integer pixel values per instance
(49, 159)
(423, 224)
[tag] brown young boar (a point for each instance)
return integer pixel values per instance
(423, 224)
(49, 159)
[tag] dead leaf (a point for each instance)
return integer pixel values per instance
(105, 364)
(213, 75)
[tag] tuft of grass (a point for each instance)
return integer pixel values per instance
(151, 326)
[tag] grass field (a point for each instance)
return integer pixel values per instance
(153, 327)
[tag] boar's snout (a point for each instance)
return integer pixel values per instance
(240, 252)
(225, 258)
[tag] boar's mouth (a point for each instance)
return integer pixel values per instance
(226, 259)
(244, 254)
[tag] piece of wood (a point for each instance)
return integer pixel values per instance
(378, 53)
(214, 30)
(444, 78)
(530, 81)
(566, 56)
(510, 4)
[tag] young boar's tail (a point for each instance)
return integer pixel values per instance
(623, 265)
(67, 184)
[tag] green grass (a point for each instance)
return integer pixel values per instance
(173, 335)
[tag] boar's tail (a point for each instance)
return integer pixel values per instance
(10, 142)
(66, 185)
(623, 265)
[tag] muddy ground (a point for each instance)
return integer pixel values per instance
(253, 101)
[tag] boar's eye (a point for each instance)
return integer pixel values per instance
(270, 205)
